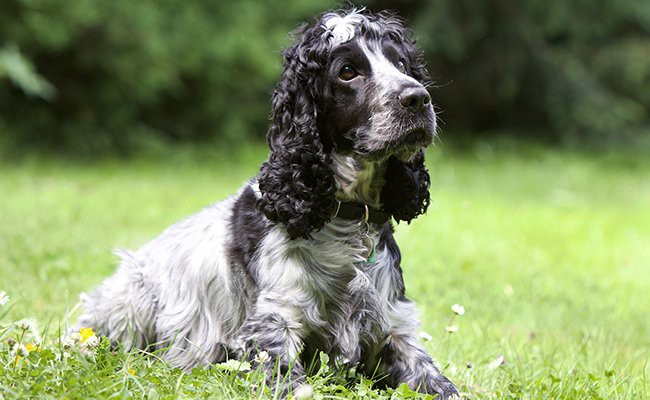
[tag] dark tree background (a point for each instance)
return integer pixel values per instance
(570, 71)
(92, 75)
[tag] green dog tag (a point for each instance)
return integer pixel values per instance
(372, 257)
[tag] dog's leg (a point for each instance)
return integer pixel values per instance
(123, 307)
(404, 359)
(277, 333)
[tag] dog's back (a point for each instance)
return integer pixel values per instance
(169, 290)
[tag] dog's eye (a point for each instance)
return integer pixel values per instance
(401, 65)
(348, 73)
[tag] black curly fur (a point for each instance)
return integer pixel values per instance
(406, 192)
(297, 184)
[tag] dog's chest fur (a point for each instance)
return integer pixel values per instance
(328, 287)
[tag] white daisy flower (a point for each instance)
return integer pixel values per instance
(303, 392)
(26, 324)
(75, 337)
(496, 363)
(235, 365)
(262, 357)
(4, 298)
(21, 351)
(92, 342)
(452, 328)
(67, 342)
(458, 309)
(29, 325)
(72, 340)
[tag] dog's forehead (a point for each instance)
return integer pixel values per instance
(341, 29)
(376, 33)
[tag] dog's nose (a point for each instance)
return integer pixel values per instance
(415, 98)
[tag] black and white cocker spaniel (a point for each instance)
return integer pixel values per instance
(303, 258)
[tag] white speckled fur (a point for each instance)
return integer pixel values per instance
(341, 28)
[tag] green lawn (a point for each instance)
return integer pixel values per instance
(548, 251)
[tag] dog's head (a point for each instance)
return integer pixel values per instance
(353, 88)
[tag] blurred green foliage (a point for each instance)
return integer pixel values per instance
(123, 71)
(92, 74)
(573, 71)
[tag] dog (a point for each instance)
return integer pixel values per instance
(303, 258)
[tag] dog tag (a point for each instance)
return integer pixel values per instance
(372, 257)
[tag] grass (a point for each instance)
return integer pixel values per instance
(548, 251)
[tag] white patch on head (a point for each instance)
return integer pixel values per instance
(342, 28)
(386, 74)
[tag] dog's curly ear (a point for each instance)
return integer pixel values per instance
(406, 192)
(297, 183)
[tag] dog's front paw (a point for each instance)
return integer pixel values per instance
(284, 381)
(441, 386)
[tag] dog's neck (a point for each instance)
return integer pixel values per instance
(357, 180)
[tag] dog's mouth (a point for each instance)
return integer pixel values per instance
(411, 142)
(404, 140)
(419, 136)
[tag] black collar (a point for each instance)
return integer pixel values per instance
(357, 211)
